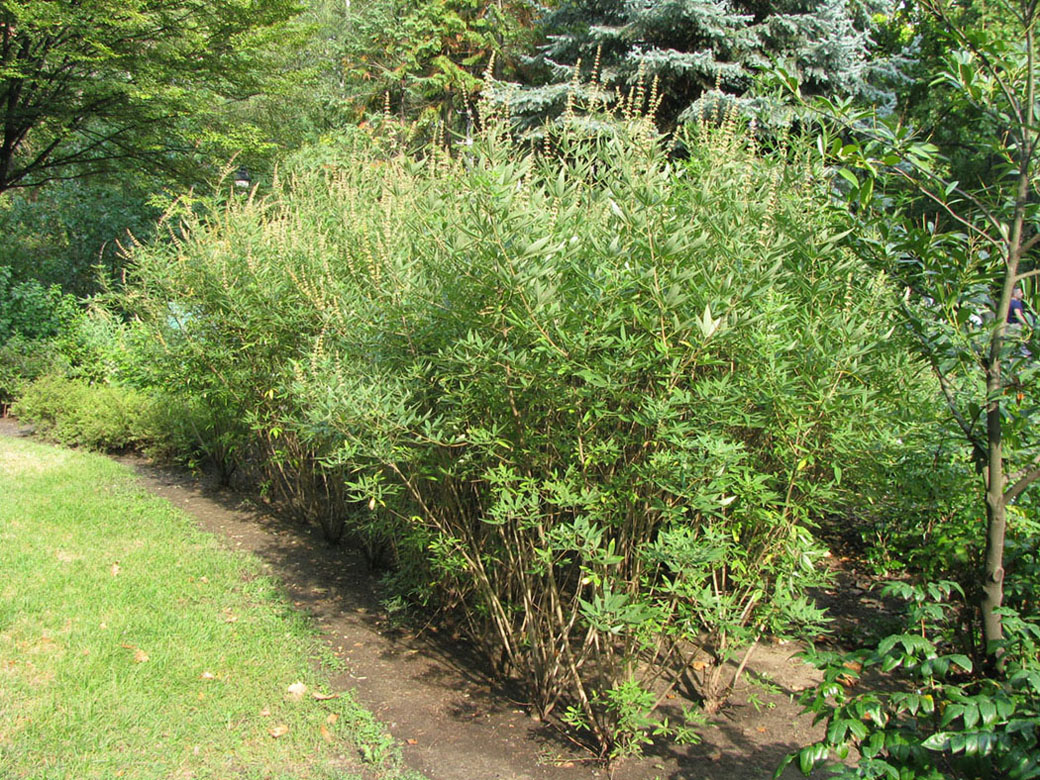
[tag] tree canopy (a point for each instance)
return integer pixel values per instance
(86, 87)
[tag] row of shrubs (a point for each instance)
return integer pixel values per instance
(591, 401)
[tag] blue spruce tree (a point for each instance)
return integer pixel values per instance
(704, 54)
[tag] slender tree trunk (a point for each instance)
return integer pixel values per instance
(995, 476)
(996, 500)
(996, 518)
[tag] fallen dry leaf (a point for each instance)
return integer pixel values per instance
(849, 680)
(324, 696)
(412, 741)
(297, 689)
(279, 731)
(207, 676)
(265, 712)
(333, 717)
(140, 656)
(325, 733)
(115, 568)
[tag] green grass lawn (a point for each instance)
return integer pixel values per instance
(132, 645)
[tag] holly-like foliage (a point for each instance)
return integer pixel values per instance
(934, 717)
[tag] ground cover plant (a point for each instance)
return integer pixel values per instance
(587, 401)
(913, 706)
(132, 646)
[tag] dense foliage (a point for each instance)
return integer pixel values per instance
(68, 233)
(91, 87)
(427, 58)
(31, 317)
(703, 54)
(962, 268)
(597, 400)
(962, 701)
(942, 719)
(588, 404)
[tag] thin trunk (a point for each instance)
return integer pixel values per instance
(996, 501)
(996, 523)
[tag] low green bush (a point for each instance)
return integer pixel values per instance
(95, 416)
(31, 309)
(22, 361)
(43, 331)
(928, 711)
(32, 316)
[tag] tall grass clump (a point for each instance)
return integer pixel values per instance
(588, 400)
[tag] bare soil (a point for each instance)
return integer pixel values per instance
(453, 720)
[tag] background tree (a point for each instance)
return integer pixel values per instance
(426, 57)
(88, 87)
(700, 50)
(64, 233)
(959, 250)
(937, 108)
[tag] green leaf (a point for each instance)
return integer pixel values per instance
(970, 714)
(988, 712)
(537, 246)
(939, 741)
(849, 176)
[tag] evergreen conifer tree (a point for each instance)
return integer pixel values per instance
(703, 53)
